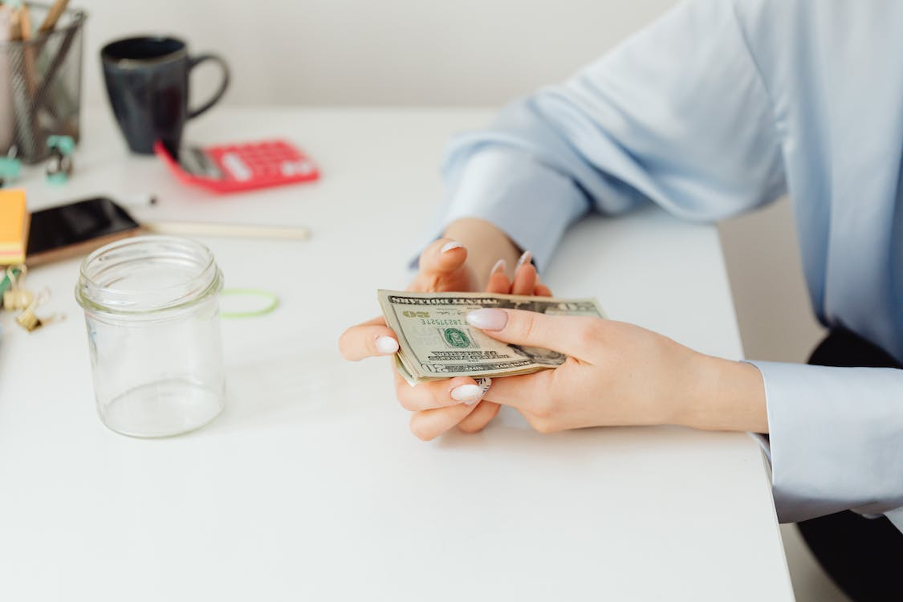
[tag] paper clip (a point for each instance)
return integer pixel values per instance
(16, 297)
(29, 320)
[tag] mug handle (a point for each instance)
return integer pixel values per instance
(197, 60)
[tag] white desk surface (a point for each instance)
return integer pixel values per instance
(309, 486)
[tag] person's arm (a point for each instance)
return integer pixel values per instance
(678, 115)
(836, 438)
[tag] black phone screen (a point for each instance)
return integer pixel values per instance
(75, 223)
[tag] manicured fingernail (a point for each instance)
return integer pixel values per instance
(468, 394)
(525, 258)
(451, 245)
(487, 319)
(499, 266)
(484, 383)
(386, 345)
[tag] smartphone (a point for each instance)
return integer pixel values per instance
(76, 228)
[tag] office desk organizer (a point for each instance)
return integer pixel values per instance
(40, 84)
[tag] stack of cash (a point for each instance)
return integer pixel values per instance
(435, 341)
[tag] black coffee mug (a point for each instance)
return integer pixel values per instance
(147, 82)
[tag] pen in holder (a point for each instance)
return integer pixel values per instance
(43, 66)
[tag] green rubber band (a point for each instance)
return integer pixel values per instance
(250, 292)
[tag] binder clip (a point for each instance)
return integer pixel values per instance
(15, 297)
(10, 167)
(59, 167)
(29, 320)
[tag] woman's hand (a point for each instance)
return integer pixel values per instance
(442, 267)
(620, 374)
(430, 423)
(441, 405)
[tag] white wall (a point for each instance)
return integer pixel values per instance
(354, 52)
(467, 52)
(767, 283)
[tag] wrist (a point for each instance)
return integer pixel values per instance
(486, 244)
(723, 395)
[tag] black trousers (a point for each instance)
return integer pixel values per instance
(862, 555)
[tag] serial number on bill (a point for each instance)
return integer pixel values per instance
(441, 322)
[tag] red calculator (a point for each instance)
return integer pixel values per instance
(238, 167)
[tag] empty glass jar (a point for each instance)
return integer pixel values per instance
(151, 308)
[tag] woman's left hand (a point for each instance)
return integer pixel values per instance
(620, 374)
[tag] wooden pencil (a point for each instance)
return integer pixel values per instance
(53, 15)
(228, 230)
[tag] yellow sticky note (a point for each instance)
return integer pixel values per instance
(14, 222)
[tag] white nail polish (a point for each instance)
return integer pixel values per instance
(468, 394)
(525, 258)
(487, 318)
(386, 345)
(451, 245)
(499, 266)
(484, 383)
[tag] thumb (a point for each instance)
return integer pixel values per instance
(443, 256)
(441, 267)
(571, 335)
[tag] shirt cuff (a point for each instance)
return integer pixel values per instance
(835, 439)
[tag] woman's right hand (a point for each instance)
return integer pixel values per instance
(430, 423)
(442, 267)
(440, 405)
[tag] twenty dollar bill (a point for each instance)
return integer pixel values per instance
(436, 342)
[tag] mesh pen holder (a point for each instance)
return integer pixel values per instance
(40, 85)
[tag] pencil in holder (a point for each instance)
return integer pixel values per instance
(40, 84)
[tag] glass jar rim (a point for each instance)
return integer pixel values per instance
(94, 294)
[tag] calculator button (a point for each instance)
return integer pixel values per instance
(236, 167)
(292, 168)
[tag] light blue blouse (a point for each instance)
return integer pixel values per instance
(718, 108)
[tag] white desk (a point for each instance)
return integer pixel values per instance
(309, 486)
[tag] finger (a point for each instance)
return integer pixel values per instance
(498, 281)
(442, 258)
(541, 290)
(478, 420)
(532, 393)
(369, 339)
(572, 335)
(440, 393)
(525, 276)
(430, 424)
